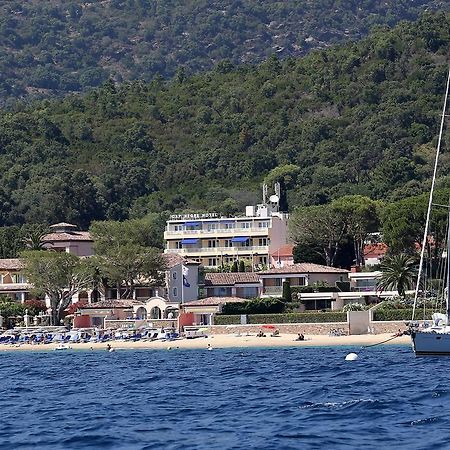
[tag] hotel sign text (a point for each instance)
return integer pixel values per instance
(193, 216)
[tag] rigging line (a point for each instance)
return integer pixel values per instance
(382, 342)
(425, 234)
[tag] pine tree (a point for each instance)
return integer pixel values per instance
(287, 294)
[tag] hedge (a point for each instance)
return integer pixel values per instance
(313, 317)
(401, 314)
(310, 289)
(226, 320)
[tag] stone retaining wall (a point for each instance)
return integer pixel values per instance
(380, 327)
(284, 328)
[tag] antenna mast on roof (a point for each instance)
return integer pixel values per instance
(264, 192)
(278, 189)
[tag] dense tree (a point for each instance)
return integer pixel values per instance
(361, 217)
(348, 120)
(319, 225)
(57, 275)
(123, 256)
(71, 47)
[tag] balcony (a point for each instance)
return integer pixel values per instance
(221, 251)
(221, 232)
(273, 290)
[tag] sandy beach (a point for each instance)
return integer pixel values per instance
(225, 341)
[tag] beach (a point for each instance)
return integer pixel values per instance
(225, 341)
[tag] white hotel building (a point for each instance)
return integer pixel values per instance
(213, 240)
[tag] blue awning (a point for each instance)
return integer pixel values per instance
(227, 221)
(240, 239)
(189, 241)
(192, 224)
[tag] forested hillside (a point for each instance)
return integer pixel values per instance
(352, 119)
(55, 46)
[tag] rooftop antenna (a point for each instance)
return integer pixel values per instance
(278, 189)
(264, 190)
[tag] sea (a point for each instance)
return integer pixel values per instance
(240, 398)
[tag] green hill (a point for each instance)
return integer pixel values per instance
(352, 119)
(54, 46)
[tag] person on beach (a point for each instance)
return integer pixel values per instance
(300, 337)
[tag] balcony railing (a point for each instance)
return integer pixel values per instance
(273, 290)
(221, 251)
(216, 230)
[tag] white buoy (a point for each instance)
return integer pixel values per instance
(111, 350)
(351, 357)
(169, 348)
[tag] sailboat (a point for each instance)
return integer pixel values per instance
(434, 340)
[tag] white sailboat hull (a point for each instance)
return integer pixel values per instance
(433, 342)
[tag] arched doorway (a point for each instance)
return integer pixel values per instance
(141, 313)
(155, 313)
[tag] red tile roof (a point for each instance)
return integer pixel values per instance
(11, 264)
(112, 304)
(173, 259)
(215, 301)
(71, 236)
(231, 278)
(303, 268)
(63, 225)
(283, 251)
(375, 250)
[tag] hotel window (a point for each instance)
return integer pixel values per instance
(262, 242)
(212, 243)
(175, 292)
(212, 262)
(178, 227)
(229, 225)
(211, 226)
(264, 224)
(178, 244)
(227, 243)
(174, 275)
(245, 225)
(263, 260)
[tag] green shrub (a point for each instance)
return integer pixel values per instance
(402, 314)
(354, 307)
(313, 317)
(255, 306)
(313, 288)
(220, 319)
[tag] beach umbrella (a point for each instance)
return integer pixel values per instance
(269, 327)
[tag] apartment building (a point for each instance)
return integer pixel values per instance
(212, 240)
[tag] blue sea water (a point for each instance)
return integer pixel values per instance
(292, 398)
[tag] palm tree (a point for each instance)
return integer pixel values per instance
(34, 237)
(399, 272)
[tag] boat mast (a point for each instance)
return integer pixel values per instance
(447, 303)
(430, 201)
